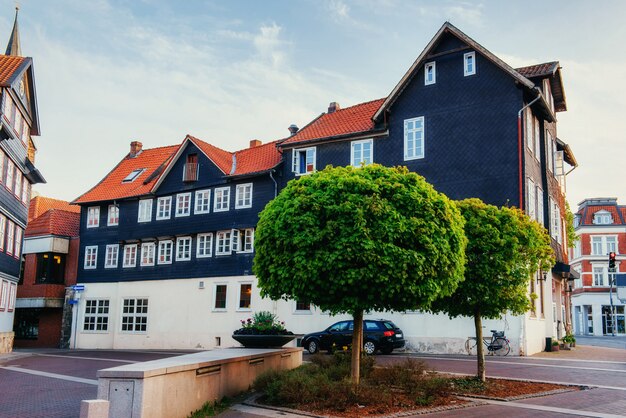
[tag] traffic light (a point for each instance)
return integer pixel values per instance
(612, 260)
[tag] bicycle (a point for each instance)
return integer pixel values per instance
(498, 345)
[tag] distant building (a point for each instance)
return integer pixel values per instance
(167, 237)
(18, 124)
(43, 314)
(600, 224)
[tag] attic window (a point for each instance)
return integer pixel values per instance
(469, 67)
(602, 217)
(429, 73)
(133, 175)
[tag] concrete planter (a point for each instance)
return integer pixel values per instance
(263, 341)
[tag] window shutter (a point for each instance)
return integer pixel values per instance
(235, 240)
(294, 161)
(558, 162)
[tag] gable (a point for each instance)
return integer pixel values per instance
(16, 74)
(448, 43)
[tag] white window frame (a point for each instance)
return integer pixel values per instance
(223, 241)
(531, 204)
(3, 224)
(297, 311)
(540, 214)
(537, 135)
(203, 202)
(295, 161)
(147, 249)
(359, 160)
(144, 210)
(422, 131)
(242, 240)
(134, 315)
(4, 294)
(430, 68)
(113, 215)
(555, 221)
(25, 191)
(529, 129)
(239, 300)
(130, 256)
(93, 216)
(599, 272)
(165, 246)
(602, 217)
(164, 208)
(181, 209)
(10, 245)
(111, 256)
(91, 252)
(19, 234)
(214, 307)
(183, 248)
(100, 311)
(466, 70)
(221, 200)
(204, 245)
(243, 197)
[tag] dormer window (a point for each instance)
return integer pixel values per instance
(469, 63)
(191, 168)
(303, 160)
(133, 175)
(430, 73)
(602, 217)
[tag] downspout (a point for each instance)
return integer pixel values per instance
(520, 147)
(275, 184)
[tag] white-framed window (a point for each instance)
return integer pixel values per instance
(555, 221)
(144, 213)
(4, 294)
(599, 276)
(113, 217)
(135, 315)
(164, 207)
(222, 199)
(130, 255)
(204, 245)
(111, 255)
(10, 172)
(165, 252)
(203, 202)
(243, 196)
(220, 293)
(147, 254)
(469, 63)
(529, 129)
(303, 160)
(531, 204)
(19, 232)
(414, 138)
(603, 244)
(96, 316)
(430, 73)
(361, 152)
(602, 217)
(243, 240)
(540, 217)
(245, 296)
(549, 151)
(93, 217)
(577, 251)
(10, 237)
(596, 245)
(3, 224)
(12, 293)
(537, 138)
(183, 204)
(610, 240)
(223, 245)
(91, 257)
(17, 190)
(302, 307)
(25, 191)
(183, 248)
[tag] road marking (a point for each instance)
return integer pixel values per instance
(266, 412)
(87, 358)
(51, 375)
(548, 408)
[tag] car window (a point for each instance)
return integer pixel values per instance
(339, 326)
(371, 325)
(350, 326)
(389, 325)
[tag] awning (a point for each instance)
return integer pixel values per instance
(564, 270)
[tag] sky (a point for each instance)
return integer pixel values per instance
(109, 72)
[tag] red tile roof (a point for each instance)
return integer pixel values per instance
(41, 204)
(8, 65)
(353, 119)
(538, 70)
(612, 209)
(155, 161)
(111, 186)
(54, 222)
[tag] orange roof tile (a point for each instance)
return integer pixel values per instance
(222, 159)
(42, 204)
(257, 159)
(54, 222)
(612, 209)
(537, 70)
(111, 186)
(8, 65)
(353, 119)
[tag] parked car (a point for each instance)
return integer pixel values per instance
(378, 334)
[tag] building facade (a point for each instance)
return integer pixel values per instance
(600, 224)
(19, 123)
(174, 269)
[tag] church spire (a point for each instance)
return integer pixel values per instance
(13, 47)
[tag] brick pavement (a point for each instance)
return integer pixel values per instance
(586, 352)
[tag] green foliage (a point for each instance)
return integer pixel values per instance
(263, 321)
(570, 232)
(505, 247)
(353, 239)
(211, 409)
(569, 338)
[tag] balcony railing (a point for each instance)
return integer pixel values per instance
(191, 172)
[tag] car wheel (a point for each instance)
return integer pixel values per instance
(386, 350)
(369, 347)
(313, 347)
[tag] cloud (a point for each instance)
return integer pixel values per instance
(466, 13)
(269, 45)
(339, 10)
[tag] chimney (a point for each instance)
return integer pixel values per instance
(293, 128)
(255, 143)
(135, 148)
(332, 107)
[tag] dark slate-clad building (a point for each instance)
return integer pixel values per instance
(468, 122)
(19, 122)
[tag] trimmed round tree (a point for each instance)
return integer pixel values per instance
(351, 240)
(505, 247)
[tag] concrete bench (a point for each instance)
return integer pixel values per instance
(176, 386)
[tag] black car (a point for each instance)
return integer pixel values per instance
(378, 334)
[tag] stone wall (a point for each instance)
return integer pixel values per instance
(6, 342)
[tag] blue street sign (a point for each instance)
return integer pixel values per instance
(78, 287)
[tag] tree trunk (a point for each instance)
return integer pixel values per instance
(357, 344)
(480, 352)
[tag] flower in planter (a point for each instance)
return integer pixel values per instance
(262, 323)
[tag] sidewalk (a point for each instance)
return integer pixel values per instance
(586, 352)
